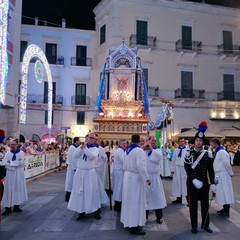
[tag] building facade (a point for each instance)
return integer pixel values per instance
(9, 109)
(190, 52)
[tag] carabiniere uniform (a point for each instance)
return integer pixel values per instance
(201, 169)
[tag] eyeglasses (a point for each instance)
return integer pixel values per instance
(93, 138)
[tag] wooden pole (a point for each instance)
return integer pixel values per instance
(109, 179)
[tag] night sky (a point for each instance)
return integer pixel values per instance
(78, 13)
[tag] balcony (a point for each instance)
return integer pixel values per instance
(228, 96)
(85, 62)
(80, 100)
(229, 50)
(191, 46)
(153, 91)
(43, 99)
(189, 93)
(55, 60)
(143, 41)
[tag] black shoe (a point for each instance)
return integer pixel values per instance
(80, 216)
(224, 214)
(194, 230)
(178, 200)
(7, 212)
(137, 231)
(220, 211)
(208, 229)
(97, 215)
(159, 221)
(17, 209)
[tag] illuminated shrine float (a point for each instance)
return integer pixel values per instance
(122, 106)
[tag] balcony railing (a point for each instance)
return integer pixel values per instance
(55, 60)
(153, 91)
(224, 49)
(230, 96)
(40, 98)
(190, 93)
(80, 100)
(148, 41)
(192, 46)
(86, 62)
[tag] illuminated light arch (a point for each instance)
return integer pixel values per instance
(4, 8)
(31, 52)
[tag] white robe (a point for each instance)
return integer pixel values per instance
(117, 174)
(179, 185)
(155, 192)
(133, 211)
(101, 166)
(166, 163)
(15, 190)
(223, 172)
(88, 192)
(71, 168)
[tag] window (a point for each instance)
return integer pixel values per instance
(81, 55)
(228, 87)
(51, 53)
(186, 84)
(46, 117)
(23, 47)
(142, 31)
(227, 42)
(80, 118)
(45, 94)
(103, 34)
(186, 37)
(80, 96)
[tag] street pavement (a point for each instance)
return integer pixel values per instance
(45, 217)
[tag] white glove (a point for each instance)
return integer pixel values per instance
(213, 188)
(197, 183)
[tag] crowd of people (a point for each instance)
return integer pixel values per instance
(137, 170)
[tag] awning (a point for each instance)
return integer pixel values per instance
(191, 133)
(230, 133)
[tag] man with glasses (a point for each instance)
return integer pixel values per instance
(15, 190)
(88, 192)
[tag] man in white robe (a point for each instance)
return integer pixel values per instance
(179, 186)
(117, 175)
(101, 163)
(223, 182)
(88, 193)
(15, 190)
(155, 193)
(135, 181)
(71, 167)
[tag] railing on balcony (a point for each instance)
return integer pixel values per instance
(224, 49)
(190, 93)
(80, 100)
(55, 60)
(230, 96)
(86, 62)
(40, 98)
(148, 41)
(193, 46)
(153, 91)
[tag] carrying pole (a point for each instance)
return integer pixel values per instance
(109, 179)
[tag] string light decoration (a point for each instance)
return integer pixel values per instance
(4, 8)
(33, 51)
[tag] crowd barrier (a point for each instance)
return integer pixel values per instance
(37, 164)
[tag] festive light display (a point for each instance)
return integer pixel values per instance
(4, 7)
(31, 52)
